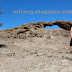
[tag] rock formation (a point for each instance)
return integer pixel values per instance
(34, 29)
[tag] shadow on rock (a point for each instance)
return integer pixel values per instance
(2, 45)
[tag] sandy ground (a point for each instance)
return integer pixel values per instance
(35, 55)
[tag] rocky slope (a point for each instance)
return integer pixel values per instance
(31, 48)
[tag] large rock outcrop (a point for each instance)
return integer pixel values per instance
(34, 29)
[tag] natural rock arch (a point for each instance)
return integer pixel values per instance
(62, 24)
(37, 25)
(32, 29)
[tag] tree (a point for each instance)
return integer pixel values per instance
(1, 45)
(1, 24)
(1, 13)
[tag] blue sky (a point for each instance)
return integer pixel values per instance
(10, 19)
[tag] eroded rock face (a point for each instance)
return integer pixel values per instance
(35, 29)
(66, 25)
